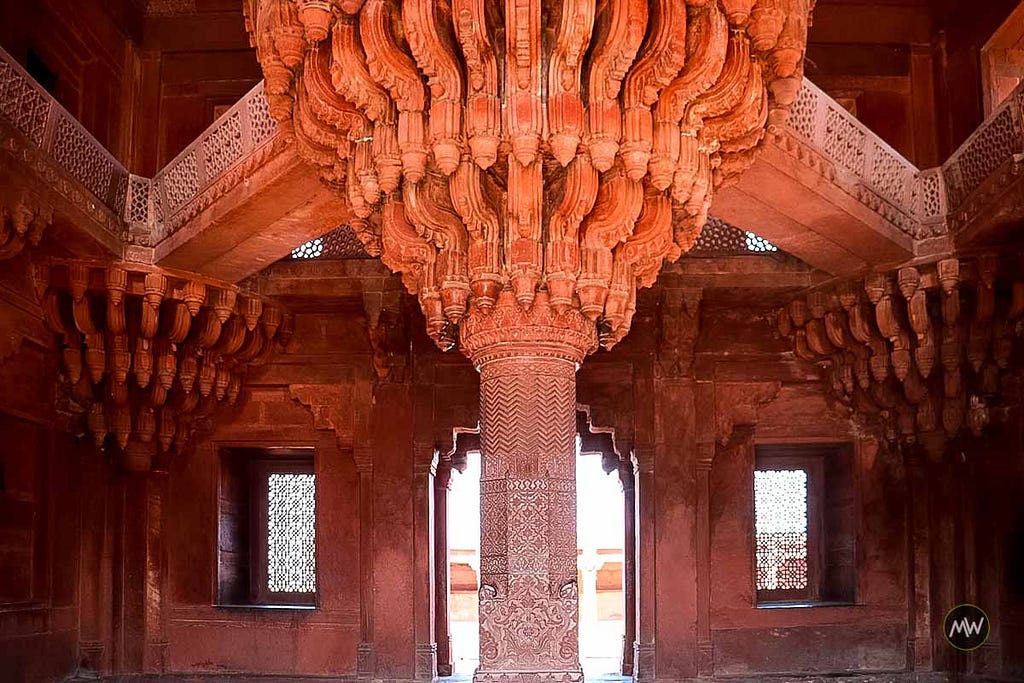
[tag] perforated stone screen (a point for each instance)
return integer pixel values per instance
(291, 533)
(340, 243)
(780, 509)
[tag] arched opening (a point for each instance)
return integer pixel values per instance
(464, 563)
(605, 546)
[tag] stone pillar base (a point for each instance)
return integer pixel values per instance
(528, 676)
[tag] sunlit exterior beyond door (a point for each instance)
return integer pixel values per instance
(599, 532)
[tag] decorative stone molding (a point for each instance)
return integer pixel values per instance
(331, 406)
(678, 324)
(919, 349)
(149, 352)
(386, 330)
(737, 404)
(22, 222)
(366, 661)
(541, 331)
(627, 147)
(426, 661)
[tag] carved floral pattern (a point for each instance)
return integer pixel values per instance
(528, 599)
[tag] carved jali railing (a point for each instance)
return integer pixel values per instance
(101, 181)
(140, 210)
(912, 200)
(997, 143)
(920, 202)
(189, 182)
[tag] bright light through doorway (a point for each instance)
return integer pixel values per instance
(600, 520)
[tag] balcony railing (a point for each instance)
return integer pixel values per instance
(151, 209)
(51, 128)
(915, 201)
(996, 141)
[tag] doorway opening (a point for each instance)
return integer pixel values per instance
(464, 564)
(600, 530)
(602, 562)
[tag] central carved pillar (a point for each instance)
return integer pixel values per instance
(528, 594)
(527, 171)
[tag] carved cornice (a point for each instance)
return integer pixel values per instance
(415, 122)
(149, 352)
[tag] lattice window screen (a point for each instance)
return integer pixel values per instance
(291, 533)
(310, 249)
(780, 510)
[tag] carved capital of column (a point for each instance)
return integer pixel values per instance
(365, 661)
(508, 330)
(472, 166)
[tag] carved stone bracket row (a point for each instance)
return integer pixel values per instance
(148, 352)
(920, 348)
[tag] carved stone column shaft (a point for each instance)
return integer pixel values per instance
(528, 593)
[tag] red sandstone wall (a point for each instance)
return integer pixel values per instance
(81, 542)
(668, 419)
(328, 364)
(204, 638)
(40, 500)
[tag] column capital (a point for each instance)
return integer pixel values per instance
(508, 330)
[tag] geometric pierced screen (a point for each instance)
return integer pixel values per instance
(780, 511)
(719, 238)
(311, 249)
(757, 243)
(291, 533)
(340, 243)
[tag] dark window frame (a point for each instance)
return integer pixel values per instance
(832, 516)
(254, 466)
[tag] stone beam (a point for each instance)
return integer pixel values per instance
(279, 203)
(803, 211)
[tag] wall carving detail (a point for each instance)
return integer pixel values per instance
(149, 353)
(22, 222)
